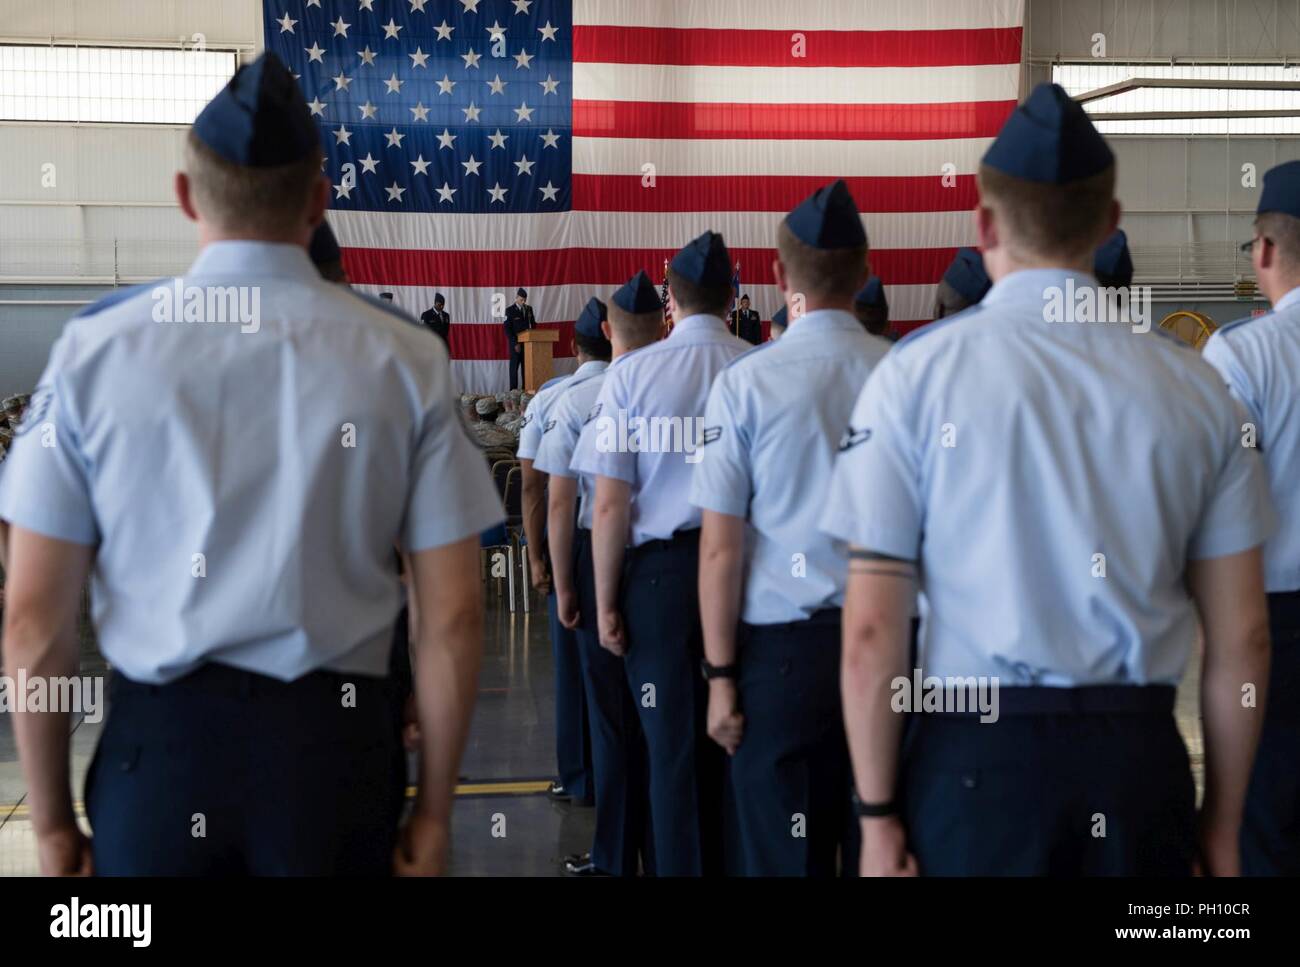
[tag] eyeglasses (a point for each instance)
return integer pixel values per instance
(1245, 248)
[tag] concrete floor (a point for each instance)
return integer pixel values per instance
(509, 756)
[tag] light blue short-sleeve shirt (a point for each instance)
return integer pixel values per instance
(245, 481)
(564, 425)
(774, 422)
(535, 417)
(1052, 480)
(1259, 359)
(647, 425)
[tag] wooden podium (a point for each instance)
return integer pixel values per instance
(539, 365)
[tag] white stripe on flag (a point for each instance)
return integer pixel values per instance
(795, 85)
(624, 230)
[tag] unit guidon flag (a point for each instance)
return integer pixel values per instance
(476, 146)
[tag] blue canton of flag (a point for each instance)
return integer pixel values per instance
(466, 108)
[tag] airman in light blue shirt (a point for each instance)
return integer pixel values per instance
(1259, 359)
(1072, 491)
(563, 426)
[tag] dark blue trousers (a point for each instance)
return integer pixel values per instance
(790, 777)
(618, 750)
(1067, 782)
(1270, 829)
(572, 746)
(228, 773)
(660, 605)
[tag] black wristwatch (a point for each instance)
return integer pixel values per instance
(872, 810)
(717, 671)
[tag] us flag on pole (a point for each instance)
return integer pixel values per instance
(476, 146)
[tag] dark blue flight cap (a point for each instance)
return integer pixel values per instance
(828, 219)
(1113, 265)
(260, 118)
(1049, 139)
(779, 317)
(324, 246)
(1281, 191)
(872, 294)
(521, 292)
(438, 297)
(966, 275)
(593, 314)
(705, 262)
(639, 295)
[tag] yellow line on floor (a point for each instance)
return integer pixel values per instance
(490, 788)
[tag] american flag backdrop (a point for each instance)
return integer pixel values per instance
(560, 145)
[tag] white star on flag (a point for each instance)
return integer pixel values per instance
(367, 110)
(471, 112)
(497, 85)
(314, 53)
(367, 55)
(342, 190)
(523, 113)
(551, 138)
(549, 86)
(418, 58)
(391, 29)
(394, 192)
(523, 60)
(368, 164)
(420, 111)
(444, 30)
(418, 5)
(471, 166)
(316, 107)
(498, 139)
(340, 28)
(419, 164)
(394, 139)
(524, 165)
(471, 59)
(548, 32)
(367, 5)
(446, 138)
(498, 193)
(549, 192)
(394, 85)
(521, 6)
(445, 192)
(286, 24)
(471, 6)
(445, 85)
(341, 82)
(343, 135)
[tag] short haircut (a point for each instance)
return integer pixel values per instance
(696, 300)
(948, 301)
(1053, 221)
(265, 201)
(1284, 231)
(823, 274)
(636, 327)
(596, 348)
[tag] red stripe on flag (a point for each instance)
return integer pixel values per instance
(761, 122)
(589, 267)
(681, 46)
(476, 340)
(749, 193)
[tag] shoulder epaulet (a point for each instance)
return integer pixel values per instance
(747, 353)
(933, 327)
(1238, 323)
(117, 296)
(383, 305)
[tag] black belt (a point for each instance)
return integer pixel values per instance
(682, 538)
(1086, 700)
(215, 679)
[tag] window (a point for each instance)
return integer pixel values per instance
(121, 84)
(1209, 95)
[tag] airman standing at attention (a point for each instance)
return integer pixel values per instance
(1260, 360)
(641, 446)
(1065, 550)
(238, 486)
(774, 682)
